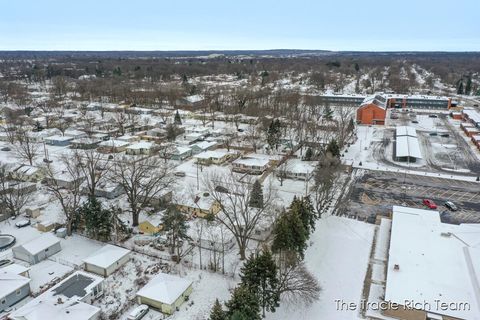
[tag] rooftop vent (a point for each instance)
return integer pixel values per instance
(396, 267)
(446, 234)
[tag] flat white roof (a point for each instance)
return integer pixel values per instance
(141, 145)
(407, 146)
(436, 262)
(406, 131)
(114, 143)
(164, 288)
(40, 243)
(106, 256)
(211, 154)
(46, 305)
(14, 268)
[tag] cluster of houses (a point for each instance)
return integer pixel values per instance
(74, 296)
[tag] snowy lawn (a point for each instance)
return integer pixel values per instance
(338, 257)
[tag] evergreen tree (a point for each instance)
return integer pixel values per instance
(217, 312)
(243, 304)
(304, 209)
(460, 87)
(289, 234)
(328, 113)
(273, 134)
(308, 154)
(357, 67)
(333, 148)
(175, 225)
(171, 132)
(259, 274)
(468, 86)
(98, 221)
(177, 119)
(256, 196)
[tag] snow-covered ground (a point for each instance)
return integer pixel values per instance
(338, 257)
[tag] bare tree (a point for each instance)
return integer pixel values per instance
(142, 180)
(64, 182)
(253, 135)
(326, 183)
(95, 167)
(13, 196)
(23, 144)
(233, 198)
(297, 284)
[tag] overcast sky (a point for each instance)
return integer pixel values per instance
(367, 25)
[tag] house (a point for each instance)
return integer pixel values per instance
(106, 260)
(159, 200)
(13, 288)
(85, 143)
(373, 110)
(128, 138)
(27, 173)
(76, 134)
(203, 146)
(69, 299)
(59, 141)
(112, 146)
(37, 249)
(180, 153)
(297, 169)
(150, 223)
(107, 189)
(193, 137)
(250, 165)
(140, 148)
(198, 206)
(165, 292)
(213, 157)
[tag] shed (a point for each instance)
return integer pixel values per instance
(165, 292)
(107, 260)
(37, 249)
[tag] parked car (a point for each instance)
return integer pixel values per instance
(429, 203)
(180, 174)
(433, 116)
(450, 205)
(138, 313)
(445, 135)
(414, 121)
(22, 223)
(6, 149)
(433, 133)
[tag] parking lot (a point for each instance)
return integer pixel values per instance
(376, 193)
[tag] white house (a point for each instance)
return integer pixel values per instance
(141, 147)
(203, 146)
(250, 165)
(106, 260)
(69, 299)
(165, 292)
(37, 249)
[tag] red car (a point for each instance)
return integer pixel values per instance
(429, 203)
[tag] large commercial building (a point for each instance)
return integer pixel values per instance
(372, 110)
(424, 269)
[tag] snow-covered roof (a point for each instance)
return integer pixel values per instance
(407, 146)
(211, 154)
(141, 145)
(15, 268)
(106, 256)
(204, 145)
(378, 100)
(406, 131)
(181, 150)
(59, 138)
(435, 262)
(114, 143)
(40, 243)
(472, 114)
(10, 282)
(71, 291)
(298, 166)
(257, 162)
(164, 288)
